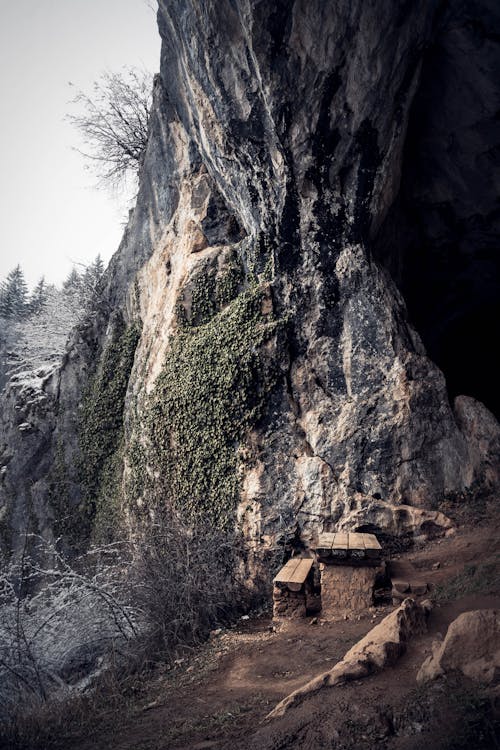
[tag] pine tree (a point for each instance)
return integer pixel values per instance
(89, 282)
(71, 284)
(98, 266)
(4, 302)
(14, 295)
(38, 297)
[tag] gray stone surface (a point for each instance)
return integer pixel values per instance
(279, 131)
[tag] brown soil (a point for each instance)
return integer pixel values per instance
(219, 697)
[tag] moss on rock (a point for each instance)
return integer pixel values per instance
(101, 429)
(210, 289)
(211, 391)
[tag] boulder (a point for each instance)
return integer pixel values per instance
(471, 646)
(394, 519)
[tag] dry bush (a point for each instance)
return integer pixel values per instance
(60, 621)
(72, 653)
(61, 721)
(188, 580)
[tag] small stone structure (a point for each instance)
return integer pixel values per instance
(346, 590)
(292, 589)
(406, 581)
(349, 565)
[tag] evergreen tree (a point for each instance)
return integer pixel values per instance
(38, 298)
(89, 282)
(14, 295)
(98, 267)
(71, 284)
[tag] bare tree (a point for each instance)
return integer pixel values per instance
(187, 580)
(114, 123)
(58, 614)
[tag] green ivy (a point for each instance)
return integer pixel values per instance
(209, 291)
(138, 483)
(58, 492)
(212, 390)
(101, 428)
(230, 281)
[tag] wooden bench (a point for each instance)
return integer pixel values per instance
(294, 573)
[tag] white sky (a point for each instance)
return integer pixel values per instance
(51, 214)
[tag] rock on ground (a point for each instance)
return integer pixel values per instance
(381, 647)
(471, 646)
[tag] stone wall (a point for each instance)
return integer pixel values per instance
(346, 590)
(288, 605)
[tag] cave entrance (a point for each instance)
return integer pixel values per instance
(440, 239)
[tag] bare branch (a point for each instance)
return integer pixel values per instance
(114, 122)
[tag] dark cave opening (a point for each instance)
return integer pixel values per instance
(468, 357)
(440, 239)
(455, 307)
(452, 295)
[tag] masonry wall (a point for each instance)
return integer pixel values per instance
(346, 590)
(288, 605)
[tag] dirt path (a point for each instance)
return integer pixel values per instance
(219, 696)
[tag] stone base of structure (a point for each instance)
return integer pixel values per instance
(288, 605)
(346, 590)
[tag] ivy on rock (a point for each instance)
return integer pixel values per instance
(211, 391)
(101, 427)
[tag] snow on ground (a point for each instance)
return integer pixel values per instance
(74, 618)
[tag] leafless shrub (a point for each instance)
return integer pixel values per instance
(114, 122)
(188, 580)
(60, 622)
(57, 723)
(76, 632)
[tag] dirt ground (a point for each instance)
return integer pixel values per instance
(219, 695)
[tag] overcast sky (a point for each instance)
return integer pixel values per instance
(51, 214)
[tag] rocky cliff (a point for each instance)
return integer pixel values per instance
(317, 210)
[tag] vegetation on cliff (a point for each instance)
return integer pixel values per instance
(211, 391)
(101, 429)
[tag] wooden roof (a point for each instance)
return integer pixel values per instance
(348, 544)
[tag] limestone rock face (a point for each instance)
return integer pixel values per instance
(27, 421)
(271, 189)
(39, 484)
(471, 646)
(369, 513)
(284, 103)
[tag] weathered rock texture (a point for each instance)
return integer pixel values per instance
(288, 605)
(346, 590)
(366, 513)
(471, 646)
(381, 647)
(277, 378)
